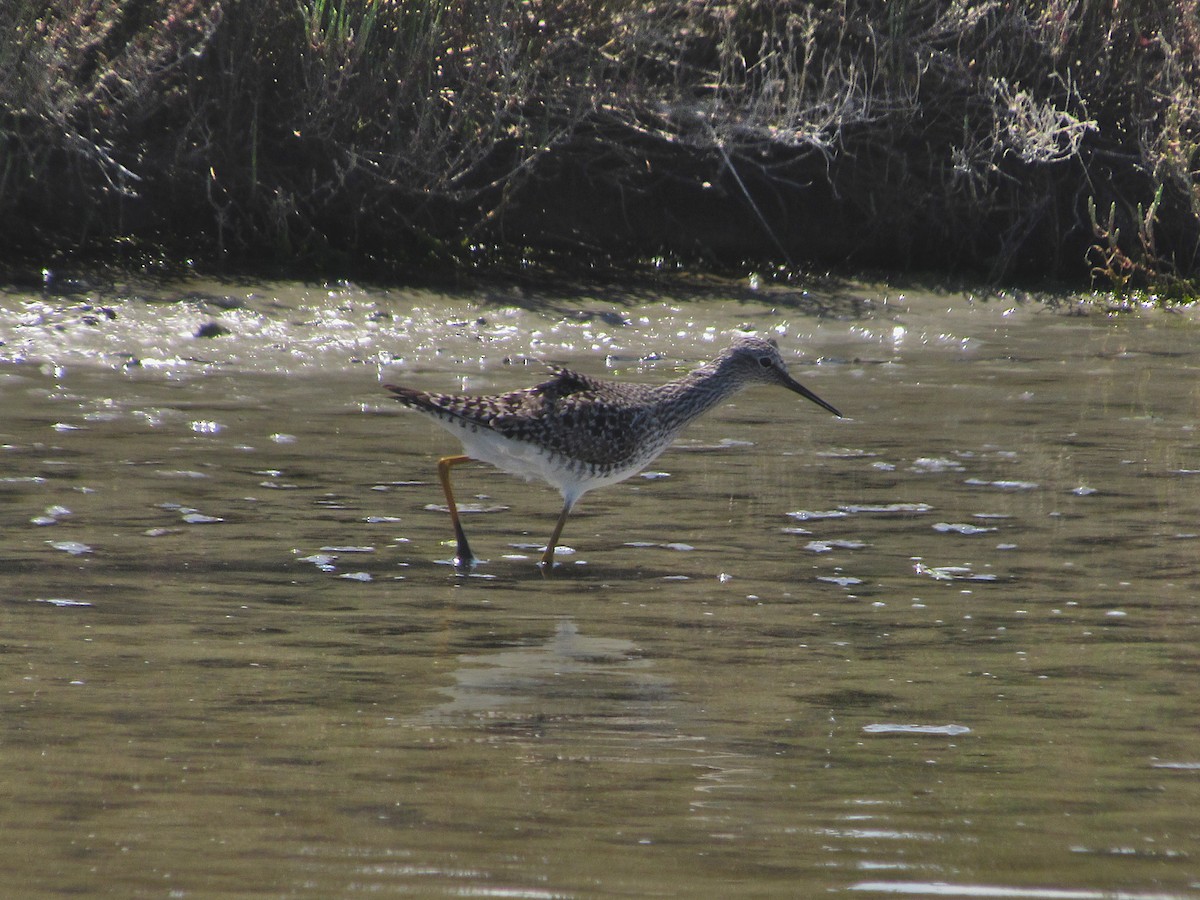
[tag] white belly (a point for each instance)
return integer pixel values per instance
(530, 462)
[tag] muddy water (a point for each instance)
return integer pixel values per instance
(944, 647)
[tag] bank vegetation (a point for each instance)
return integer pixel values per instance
(1004, 138)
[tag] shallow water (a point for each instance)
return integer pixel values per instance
(944, 647)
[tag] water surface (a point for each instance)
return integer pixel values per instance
(943, 647)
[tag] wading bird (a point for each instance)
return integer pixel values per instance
(576, 432)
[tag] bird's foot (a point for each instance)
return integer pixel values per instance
(463, 557)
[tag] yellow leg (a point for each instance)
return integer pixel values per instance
(547, 562)
(463, 555)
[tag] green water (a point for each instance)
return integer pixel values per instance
(944, 647)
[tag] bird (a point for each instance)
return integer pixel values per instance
(577, 432)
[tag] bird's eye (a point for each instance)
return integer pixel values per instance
(765, 362)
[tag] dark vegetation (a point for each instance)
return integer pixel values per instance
(1003, 138)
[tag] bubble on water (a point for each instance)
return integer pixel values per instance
(280, 438)
(655, 476)
(845, 453)
(357, 576)
(933, 464)
(206, 426)
(60, 601)
(75, 548)
(840, 580)
(1084, 491)
(51, 516)
(323, 561)
(806, 515)
(472, 508)
(1003, 485)
(855, 508)
(348, 549)
(887, 728)
(827, 546)
(951, 573)
(198, 518)
(960, 528)
(380, 520)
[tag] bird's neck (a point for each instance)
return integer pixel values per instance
(686, 399)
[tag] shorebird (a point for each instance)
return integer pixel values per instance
(577, 432)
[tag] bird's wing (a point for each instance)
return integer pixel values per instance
(577, 415)
(413, 398)
(582, 417)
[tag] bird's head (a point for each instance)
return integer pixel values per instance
(757, 359)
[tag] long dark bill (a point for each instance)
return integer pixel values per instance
(793, 385)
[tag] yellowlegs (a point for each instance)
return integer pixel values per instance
(576, 432)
